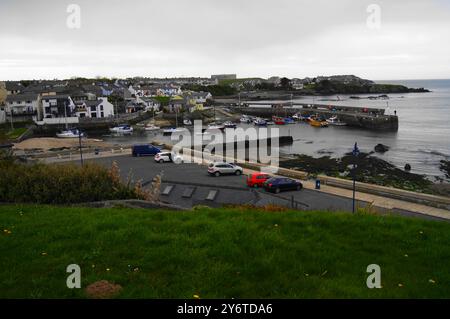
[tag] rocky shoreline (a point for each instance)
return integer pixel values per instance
(370, 169)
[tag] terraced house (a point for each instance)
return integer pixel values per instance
(26, 105)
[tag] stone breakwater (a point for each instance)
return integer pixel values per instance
(372, 119)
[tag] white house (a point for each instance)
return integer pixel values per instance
(149, 103)
(99, 108)
(201, 97)
(22, 104)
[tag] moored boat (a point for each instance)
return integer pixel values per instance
(151, 127)
(187, 122)
(74, 133)
(289, 120)
(335, 121)
(260, 122)
(317, 122)
(216, 126)
(245, 119)
(171, 130)
(229, 124)
(278, 120)
(122, 129)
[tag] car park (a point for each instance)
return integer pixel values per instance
(222, 168)
(257, 179)
(144, 150)
(279, 184)
(163, 157)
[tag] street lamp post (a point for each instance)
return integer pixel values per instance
(355, 154)
(81, 151)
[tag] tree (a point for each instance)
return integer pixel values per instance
(285, 84)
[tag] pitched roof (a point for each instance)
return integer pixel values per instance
(21, 97)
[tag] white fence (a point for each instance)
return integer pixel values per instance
(58, 120)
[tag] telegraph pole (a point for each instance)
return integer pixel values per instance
(355, 154)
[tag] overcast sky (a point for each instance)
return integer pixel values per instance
(252, 38)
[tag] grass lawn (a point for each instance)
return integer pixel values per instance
(222, 253)
(12, 134)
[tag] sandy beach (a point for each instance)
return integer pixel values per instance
(49, 143)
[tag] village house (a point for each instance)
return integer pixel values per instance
(55, 106)
(22, 104)
(149, 103)
(13, 87)
(99, 108)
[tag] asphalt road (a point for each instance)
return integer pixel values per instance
(232, 189)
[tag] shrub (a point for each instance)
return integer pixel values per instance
(61, 184)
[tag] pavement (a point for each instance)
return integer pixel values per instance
(190, 185)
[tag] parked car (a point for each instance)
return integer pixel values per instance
(257, 179)
(278, 184)
(221, 168)
(144, 150)
(168, 157)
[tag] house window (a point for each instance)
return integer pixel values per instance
(101, 107)
(102, 114)
(93, 114)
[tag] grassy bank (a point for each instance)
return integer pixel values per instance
(220, 253)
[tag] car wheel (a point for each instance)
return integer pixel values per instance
(217, 174)
(138, 154)
(277, 190)
(299, 187)
(160, 161)
(238, 172)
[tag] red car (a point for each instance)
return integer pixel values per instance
(257, 179)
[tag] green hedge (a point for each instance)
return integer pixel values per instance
(60, 184)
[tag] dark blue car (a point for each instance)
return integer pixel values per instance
(144, 150)
(279, 184)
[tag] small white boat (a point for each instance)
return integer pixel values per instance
(151, 127)
(245, 119)
(70, 134)
(297, 117)
(216, 126)
(260, 122)
(229, 124)
(187, 122)
(172, 130)
(122, 129)
(335, 121)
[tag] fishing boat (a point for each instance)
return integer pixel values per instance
(335, 121)
(187, 122)
(216, 126)
(297, 116)
(151, 127)
(278, 120)
(260, 122)
(73, 133)
(313, 121)
(122, 129)
(229, 124)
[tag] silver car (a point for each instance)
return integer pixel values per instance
(222, 168)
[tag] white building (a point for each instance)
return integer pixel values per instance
(22, 104)
(149, 103)
(99, 108)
